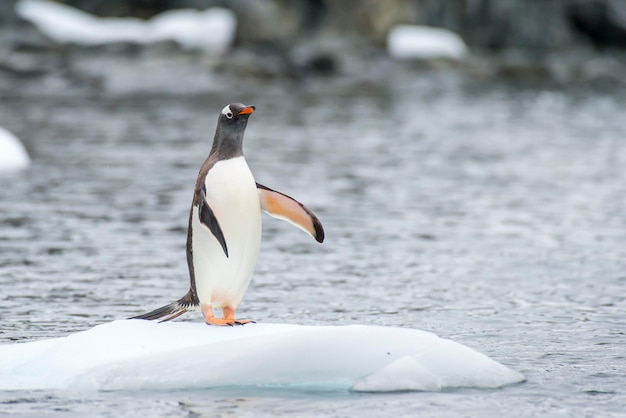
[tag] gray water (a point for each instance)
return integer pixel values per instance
(490, 214)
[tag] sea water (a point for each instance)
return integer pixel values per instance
(490, 214)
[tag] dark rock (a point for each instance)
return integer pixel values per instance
(144, 9)
(7, 13)
(598, 21)
(263, 22)
(323, 64)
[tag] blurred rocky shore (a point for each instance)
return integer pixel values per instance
(538, 40)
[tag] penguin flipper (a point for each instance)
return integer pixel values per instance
(281, 206)
(185, 304)
(208, 219)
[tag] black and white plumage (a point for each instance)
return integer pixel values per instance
(224, 232)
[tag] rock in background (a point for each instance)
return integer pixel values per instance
(489, 24)
(561, 40)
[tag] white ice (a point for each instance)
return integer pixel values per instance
(144, 355)
(13, 155)
(424, 43)
(211, 30)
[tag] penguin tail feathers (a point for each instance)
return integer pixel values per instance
(187, 303)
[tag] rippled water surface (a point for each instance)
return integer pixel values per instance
(493, 215)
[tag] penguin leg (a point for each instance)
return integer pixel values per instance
(227, 320)
(229, 315)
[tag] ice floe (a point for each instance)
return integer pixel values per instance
(423, 43)
(13, 155)
(211, 30)
(144, 355)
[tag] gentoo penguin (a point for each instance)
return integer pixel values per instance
(224, 232)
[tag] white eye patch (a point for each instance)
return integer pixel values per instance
(227, 112)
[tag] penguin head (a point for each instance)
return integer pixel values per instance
(235, 114)
(231, 125)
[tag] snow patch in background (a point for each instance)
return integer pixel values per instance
(144, 355)
(407, 42)
(13, 155)
(211, 30)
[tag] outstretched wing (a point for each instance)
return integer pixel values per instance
(281, 206)
(208, 219)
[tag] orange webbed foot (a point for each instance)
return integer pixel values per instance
(227, 320)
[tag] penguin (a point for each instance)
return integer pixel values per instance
(224, 229)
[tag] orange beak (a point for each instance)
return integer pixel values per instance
(247, 110)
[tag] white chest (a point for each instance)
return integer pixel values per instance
(230, 186)
(233, 197)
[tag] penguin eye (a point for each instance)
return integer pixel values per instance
(227, 112)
